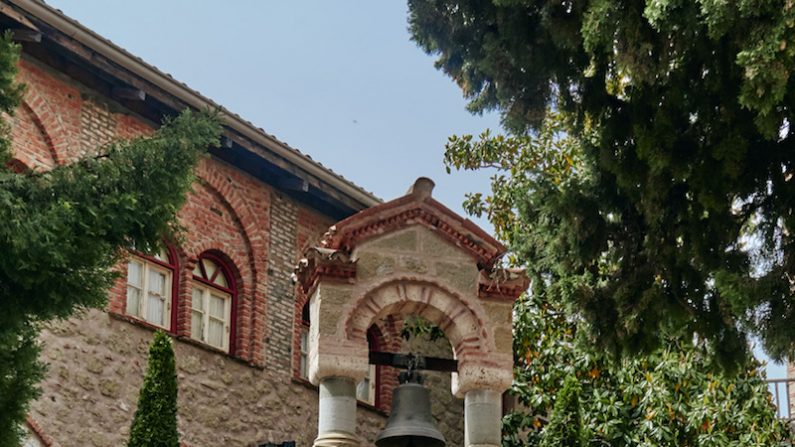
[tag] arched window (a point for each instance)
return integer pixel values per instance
(150, 287)
(367, 389)
(212, 302)
(303, 355)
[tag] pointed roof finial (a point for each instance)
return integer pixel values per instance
(422, 188)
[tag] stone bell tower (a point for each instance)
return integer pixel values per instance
(410, 256)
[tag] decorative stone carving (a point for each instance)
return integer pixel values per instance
(502, 283)
(318, 262)
(411, 256)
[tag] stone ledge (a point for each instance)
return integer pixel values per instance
(187, 340)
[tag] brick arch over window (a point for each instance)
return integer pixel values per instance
(254, 236)
(251, 306)
(46, 119)
(254, 232)
(17, 165)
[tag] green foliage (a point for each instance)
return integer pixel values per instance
(565, 426)
(666, 396)
(155, 423)
(10, 91)
(20, 372)
(63, 230)
(678, 212)
(420, 328)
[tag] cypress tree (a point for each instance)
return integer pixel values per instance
(63, 230)
(565, 427)
(155, 423)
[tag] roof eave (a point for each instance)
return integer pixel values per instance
(54, 18)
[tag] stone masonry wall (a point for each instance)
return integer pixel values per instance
(281, 291)
(96, 367)
(97, 359)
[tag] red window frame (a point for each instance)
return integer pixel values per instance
(231, 290)
(173, 266)
(305, 325)
(374, 344)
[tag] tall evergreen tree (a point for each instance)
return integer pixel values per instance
(63, 230)
(682, 215)
(155, 422)
(668, 396)
(565, 426)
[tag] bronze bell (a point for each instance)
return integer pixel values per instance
(410, 424)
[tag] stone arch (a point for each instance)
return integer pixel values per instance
(461, 322)
(46, 119)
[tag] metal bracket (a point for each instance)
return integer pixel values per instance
(413, 362)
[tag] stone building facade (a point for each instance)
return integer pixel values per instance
(225, 294)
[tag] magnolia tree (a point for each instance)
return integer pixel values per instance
(670, 395)
(64, 229)
(682, 213)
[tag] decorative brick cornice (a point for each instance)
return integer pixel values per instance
(502, 283)
(416, 207)
(328, 264)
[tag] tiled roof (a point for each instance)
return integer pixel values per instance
(158, 77)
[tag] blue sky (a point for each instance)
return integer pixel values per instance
(341, 81)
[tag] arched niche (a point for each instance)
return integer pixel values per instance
(409, 256)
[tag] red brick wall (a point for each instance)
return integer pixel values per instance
(228, 212)
(98, 361)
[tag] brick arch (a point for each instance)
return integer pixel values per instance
(252, 232)
(235, 264)
(251, 299)
(461, 322)
(252, 305)
(18, 166)
(46, 119)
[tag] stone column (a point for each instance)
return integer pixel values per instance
(336, 425)
(482, 418)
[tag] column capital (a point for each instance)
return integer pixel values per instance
(496, 376)
(338, 359)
